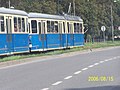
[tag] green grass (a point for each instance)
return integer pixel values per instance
(57, 52)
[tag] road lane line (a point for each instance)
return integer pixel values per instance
(78, 72)
(96, 63)
(84, 69)
(68, 77)
(114, 57)
(118, 56)
(106, 60)
(45, 89)
(57, 83)
(91, 66)
(102, 61)
(109, 59)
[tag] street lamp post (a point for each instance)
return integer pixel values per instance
(58, 7)
(112, 26)
(9, 3)
(74, 6)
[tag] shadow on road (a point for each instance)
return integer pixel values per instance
(98, 88)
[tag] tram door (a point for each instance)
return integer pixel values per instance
(42, 34)
(60, 31)
(70, 35)
(9, 33)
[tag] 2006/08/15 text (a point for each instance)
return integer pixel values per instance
(100, 78)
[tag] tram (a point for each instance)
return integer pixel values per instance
(54, 31)
(22, 32)
(13, 31)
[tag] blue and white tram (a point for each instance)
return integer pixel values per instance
(75, 30)
(54, 31)
(46, 31)
(13, 31)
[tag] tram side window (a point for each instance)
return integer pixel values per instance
(2, 24)
(39, 28)
(80, 28)
(19, 25)
(56, 27)
(15, 24)
(64, 27)
(23, 25)
(34, 26)
(60, 27)
(27, 25)
(52, 26)
(75, 28)
(43, 27)
(48, 26)
(68, 27)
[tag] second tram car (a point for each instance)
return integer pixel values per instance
(75, 32)
(54, 31)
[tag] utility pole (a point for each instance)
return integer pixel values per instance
(58, 7)
(112, 27)
(74, 6)
(69, 9)
(9, 3)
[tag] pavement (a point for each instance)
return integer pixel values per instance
(89, 70)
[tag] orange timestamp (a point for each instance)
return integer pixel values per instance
(100, 78)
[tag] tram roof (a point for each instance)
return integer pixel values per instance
(12, 11)
(48, 16)
(72, 18)
(59, 17)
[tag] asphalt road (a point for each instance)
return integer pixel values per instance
(95, 70)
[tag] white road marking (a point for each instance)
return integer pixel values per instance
(45, 89)
(118, 56)
(91, 66)
(68, 77)
(84, 69)
(81, 71)
(78, 72)
(115, 58)
(110, 59)
(107, 60)
(102, 61)
(96, 63)
(57, 83)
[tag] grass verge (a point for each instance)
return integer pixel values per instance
(56, 52)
